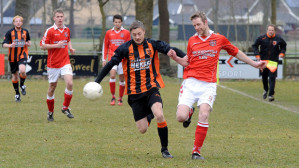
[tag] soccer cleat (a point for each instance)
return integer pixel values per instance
(50, 116)
(67, 112)
(197, 156)
(166, 154)
(265, 94)
(17, 98)
(112, 102)
(271, 98)
(120, 102)
(187, 122)
(149, 118)
(23, 90)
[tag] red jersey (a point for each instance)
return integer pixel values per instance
(57, 57)
(203, 56)
(112, 40)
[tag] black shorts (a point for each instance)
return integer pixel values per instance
(14, 66)
(141, 103)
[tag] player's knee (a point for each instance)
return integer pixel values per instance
(180, 117)
(142, 130)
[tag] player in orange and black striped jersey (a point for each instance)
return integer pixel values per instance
(17, 40)
(140, 62)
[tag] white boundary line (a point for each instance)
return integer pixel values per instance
(257, 99)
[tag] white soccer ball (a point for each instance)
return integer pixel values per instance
(92, 91)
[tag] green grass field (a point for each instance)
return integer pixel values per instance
(243, 132)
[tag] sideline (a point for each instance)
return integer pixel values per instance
(257, 99)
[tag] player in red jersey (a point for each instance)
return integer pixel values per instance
(114, 38)
(17, 40)
(199, 83)
(57, 41)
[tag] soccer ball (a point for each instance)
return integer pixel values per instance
(92, 91)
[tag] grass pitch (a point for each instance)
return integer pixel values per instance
(243, 132)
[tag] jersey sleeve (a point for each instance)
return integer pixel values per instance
(7, 38)
(27, 36)
(161, 46)
(230, 49)
(46, 38)
(105, 47)
(255, 46)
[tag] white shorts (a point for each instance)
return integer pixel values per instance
(118, 68)
(54, 73)
(193, 90)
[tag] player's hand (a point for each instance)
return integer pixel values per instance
(171, 53)
(104, 63)
(13, 44)
(261, 65)
(73, 51)
(28, 43)
(60, 44)
(281, 55)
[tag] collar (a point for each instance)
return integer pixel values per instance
(55, 27)
(271, 36)
(121, 28)
(206, 37)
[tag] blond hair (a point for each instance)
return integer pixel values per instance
(17, 16)
(199, 14)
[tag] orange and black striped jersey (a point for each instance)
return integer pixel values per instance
(140, 65)
(20, 51)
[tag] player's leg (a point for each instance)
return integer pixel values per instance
(186, 100)
(205, 104)
(265, 76)
(53, 75)
(122, 83)
(14, 69)
(112, 82)
(22, 72)
(272, 81)
(67, 74)
(156, 105)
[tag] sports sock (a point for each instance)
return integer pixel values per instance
(112, 86)
(22, 80)
(163, 134)
(122, 86)
(200, 135)
(50, 103)
(67, 99)
(15, 85)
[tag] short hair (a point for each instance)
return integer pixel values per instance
(117, 17)
(17, 16)
(272, 25)
(199, 14)
(57, 11)
(137, 24)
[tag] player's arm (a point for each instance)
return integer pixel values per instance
(255, 48)
(178, 56)
(72, 50)
(51, 46)
(243, 57)
(7, 43)
(105, 49)
(283, 48)
(28, 42)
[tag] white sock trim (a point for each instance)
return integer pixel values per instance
(68, 92)
(122, 83)
(112, 80)
(202, 124)
(50, 98)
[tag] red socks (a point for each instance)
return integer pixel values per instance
(50, 103)
(112, 88)
(121, 89)
(200, 135)
(67, 99)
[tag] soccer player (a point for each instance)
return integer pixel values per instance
(17, 40)
(269, 46)
(199, 83)
(140, 62)
(114, 38)
(57, 41)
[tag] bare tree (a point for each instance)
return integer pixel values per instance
(23, 9)
(54, 6)
(72, 21)
(234, 19)
(102, 3)
(265, 4)
(164, 31)
(215, 14)
(273, 16)
(123, 11)
(144, 13)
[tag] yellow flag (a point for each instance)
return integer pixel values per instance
(272, 65)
